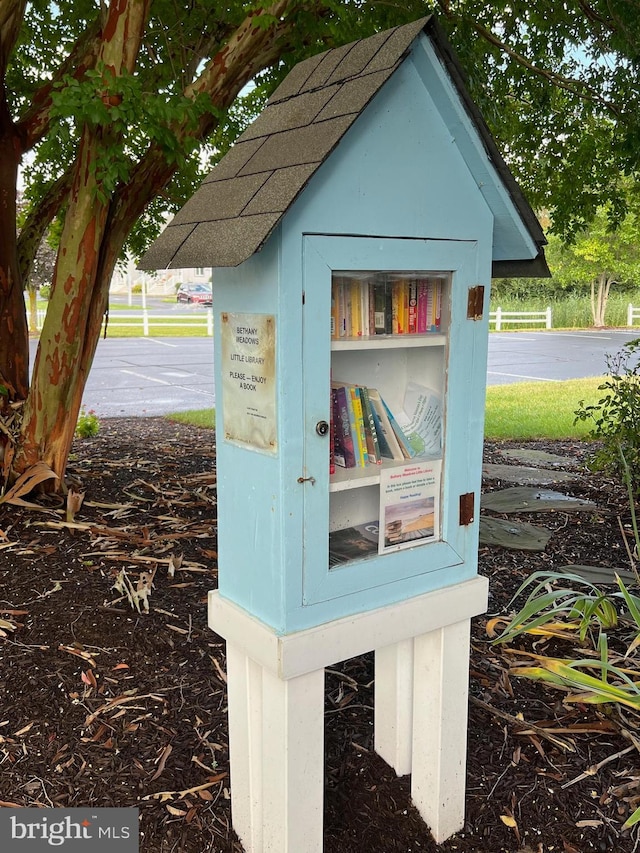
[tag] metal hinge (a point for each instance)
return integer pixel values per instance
(467, 503)
(475, 302)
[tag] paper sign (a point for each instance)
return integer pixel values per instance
(249, 380)
(409, 505)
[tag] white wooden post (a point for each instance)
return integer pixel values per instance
(440, 698)
(630, 315)
(498, 319)
(393, 705)
(548, 315)
(276, 745)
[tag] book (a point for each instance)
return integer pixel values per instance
(385, 450)
(344, 451)
(423, 288)
(356, 306)
(372, 308)
(358, 428)
(412, 324)
(334, 311)
(380, 307)
(421, 419)
(405, 445)
(364, 309)
(336, 448)
(341, 309)
(386, 430)
(353, 543)
(373, 444)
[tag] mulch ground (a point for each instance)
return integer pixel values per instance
(102, 705)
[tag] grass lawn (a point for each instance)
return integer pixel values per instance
(196, 417)
(529, 410)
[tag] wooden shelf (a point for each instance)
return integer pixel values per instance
(431, 339)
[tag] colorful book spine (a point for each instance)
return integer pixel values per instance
(358, 428)
(385, 450)
(364, 310)
(412, 324)
(372, 310)
(334, 310)
(388, 311)
(438, 301)
(356, 308)
(380, 307)
(333, 426)
(344, 452)
(373, 444)
(361, 308)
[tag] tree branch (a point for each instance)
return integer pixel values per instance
(569, 84)
(35, 122)
(38, 220)
(11, 15)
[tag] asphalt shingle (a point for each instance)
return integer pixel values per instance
(242, 200)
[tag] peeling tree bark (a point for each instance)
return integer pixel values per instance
(55, 397)
(95, 231)
(14, 337)
(92, 240)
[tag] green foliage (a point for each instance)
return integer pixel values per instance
(582, 611)
(557, 84)
(615, 419)
(88, 424)
(45, 292)
(579, 611)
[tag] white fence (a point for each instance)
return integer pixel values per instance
(144, 321)
(632, 314)
(536, 318)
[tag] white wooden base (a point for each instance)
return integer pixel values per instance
(276, 729)
(276, 711)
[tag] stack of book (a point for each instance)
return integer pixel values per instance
(389, 305)
(364, 430)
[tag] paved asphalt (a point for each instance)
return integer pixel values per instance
(552, 356)
(154, 376)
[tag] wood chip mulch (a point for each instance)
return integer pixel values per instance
(103, 705)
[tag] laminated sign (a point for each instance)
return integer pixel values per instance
(248, 380)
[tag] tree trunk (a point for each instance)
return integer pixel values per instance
(14, 336)
(94, 233)
(59, 373)
(600, 289)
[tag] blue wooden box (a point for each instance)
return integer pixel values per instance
(370, 163)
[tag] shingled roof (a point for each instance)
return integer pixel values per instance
(232, 214)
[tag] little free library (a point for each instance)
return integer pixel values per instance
(354, 229)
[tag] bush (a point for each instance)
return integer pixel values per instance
(615, 417)
(88, 424)
(45, 292)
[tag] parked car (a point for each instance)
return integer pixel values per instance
(189, 292)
